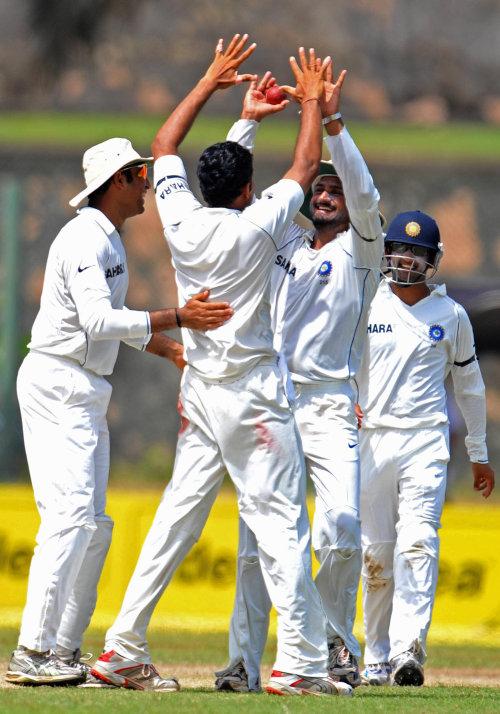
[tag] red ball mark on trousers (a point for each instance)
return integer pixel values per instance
(264, 436)
(184, 420)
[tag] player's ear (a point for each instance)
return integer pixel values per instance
(248, 190)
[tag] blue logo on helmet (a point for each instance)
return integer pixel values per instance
(325, 269)
(436, 333)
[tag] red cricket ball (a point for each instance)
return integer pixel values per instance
(275, 95)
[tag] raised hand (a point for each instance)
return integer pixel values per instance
(224, 69)
(330, 99)
(255, 105)
(309, 76)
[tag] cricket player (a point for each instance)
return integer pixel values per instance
(64, 396)
(324, 280)
(238, 415)
(416, 336)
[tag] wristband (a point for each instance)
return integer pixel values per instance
(332, 117)
(177, 318)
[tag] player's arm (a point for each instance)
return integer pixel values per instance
(222, 73)
(98, 318)
(361, 195)
(167, 348)
(310, 84)
(470, 395)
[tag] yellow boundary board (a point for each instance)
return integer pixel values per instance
(201, 593)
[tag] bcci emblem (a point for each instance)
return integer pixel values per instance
(436, 333)
(412, 229)
(325, 269)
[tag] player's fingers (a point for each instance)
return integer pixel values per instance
(325, 64)
(219, 47)
(264, 81)
(292, 91)
(312, 57)
(245, 54)
(329, 73)
(487, 487)
(302, 58)
(240, 44)
(340, 80)
(279, 107)
(244, 78)
(202, 296)
(232, 45)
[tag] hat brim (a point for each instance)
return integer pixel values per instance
(94, 185)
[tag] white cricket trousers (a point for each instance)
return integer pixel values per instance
(63, 409)
(403, 483)
(245, 427)
(324, 414)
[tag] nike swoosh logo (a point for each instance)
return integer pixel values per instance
(80, 270)
(351, 446)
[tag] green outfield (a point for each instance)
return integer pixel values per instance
(459, 679)
(386, 142)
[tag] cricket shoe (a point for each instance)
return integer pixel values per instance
(293, 684)
(112, 668)
(30, 667)
(407, 669)
(342, 665)
(95, 683)
(377, 675)
(233, 679)
(76, 659)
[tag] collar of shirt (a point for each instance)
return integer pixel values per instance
(99, 217)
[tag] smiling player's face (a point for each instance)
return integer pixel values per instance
(328, 206)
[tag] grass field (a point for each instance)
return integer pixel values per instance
(384, 142)
(458, 679)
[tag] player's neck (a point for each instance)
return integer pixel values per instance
(325, 234)
(411, 294)
(112, 211)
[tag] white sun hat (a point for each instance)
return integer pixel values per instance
(101, 161)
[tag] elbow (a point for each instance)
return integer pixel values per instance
(160, 147)
(94, 326)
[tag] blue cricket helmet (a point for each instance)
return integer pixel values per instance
(414, 228)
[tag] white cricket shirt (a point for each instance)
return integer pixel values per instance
(410, 349)
(323, 301)
(82, 314)
(232, 253)
(321, 297)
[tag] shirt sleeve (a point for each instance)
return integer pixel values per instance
(174, 198)
(362, 199)
(138, 343)
(90, 292)
(273, 213)
(243, 132)
(469, 390)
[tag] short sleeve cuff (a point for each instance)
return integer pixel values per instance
(168, 167)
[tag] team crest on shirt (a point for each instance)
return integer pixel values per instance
(436, 333)
(325, 269)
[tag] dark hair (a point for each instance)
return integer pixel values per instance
(223, 170)
(101, 190)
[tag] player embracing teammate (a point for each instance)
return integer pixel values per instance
(242, 411)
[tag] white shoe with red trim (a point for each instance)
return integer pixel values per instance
(112, 668)
(291, 684)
